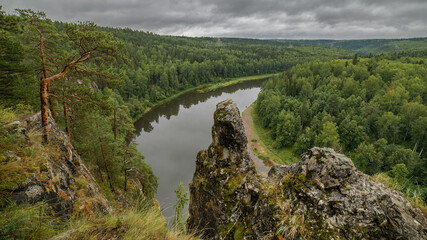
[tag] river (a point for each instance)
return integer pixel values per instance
(171, 135)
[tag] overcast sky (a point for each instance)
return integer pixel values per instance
(291, 19)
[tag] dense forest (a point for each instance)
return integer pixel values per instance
(371, 46)
(372, 109)
(156, 67)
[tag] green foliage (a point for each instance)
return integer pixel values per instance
(287, 129)
(369, 158)
(373, 110)
(328, 136)
(351, 134)
(305, 141)
(181, 202)
(405, 156)
(6, 115)
(372, 46)
(17, 85)
(145, 222)
(399, 172)
(26, 222)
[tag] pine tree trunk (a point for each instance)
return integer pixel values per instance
(105, 160)
(64, 105)
(67, 127)
(51, 102)
(44, 110)
(115, 125)
(106, 165)
(126, 176)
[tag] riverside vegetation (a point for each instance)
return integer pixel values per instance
(372, 109)
(89, 181)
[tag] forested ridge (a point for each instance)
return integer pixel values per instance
(372, 109)
(157, 67)
(372, 46)
(153, 67)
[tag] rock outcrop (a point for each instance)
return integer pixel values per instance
(63, 183)
(322, 197)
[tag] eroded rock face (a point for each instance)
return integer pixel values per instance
(322, 197)
(221, 172)
(327, 189)
(65, 183)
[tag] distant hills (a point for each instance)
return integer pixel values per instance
(370, 46)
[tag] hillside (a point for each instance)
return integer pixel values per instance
(146, 68)
(371, 109)
(370, 46)
(47, 190)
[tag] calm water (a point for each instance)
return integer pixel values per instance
(171, 135)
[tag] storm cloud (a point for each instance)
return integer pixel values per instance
(291, 19)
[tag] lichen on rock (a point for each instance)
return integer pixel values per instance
(323, 196)
(55, 185)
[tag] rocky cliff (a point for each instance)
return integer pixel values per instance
(59, 178)
(322, 197)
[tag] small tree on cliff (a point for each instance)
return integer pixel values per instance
(84, 44)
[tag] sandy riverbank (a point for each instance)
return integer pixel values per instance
(254, 143)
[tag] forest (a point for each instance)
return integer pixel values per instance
(372, 46)
(372, 109)
(151, 68)
(95, 82)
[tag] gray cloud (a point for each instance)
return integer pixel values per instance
(309, 19)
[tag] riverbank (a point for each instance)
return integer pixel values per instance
(259, 141)
(255, 148)
(232, 81)
(207, 88)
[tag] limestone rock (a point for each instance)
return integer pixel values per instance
(322, 197)
(66, 183)
(327, 189)
(220, 172)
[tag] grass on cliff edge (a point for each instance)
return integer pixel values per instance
(130, 224)
(281, 155)
(411, 194)
(31, 222)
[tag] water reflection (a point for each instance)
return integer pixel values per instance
(169, 109)
(171, 135)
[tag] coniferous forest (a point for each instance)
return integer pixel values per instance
(373, 109)
(95, 82)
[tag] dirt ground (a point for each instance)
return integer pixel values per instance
(251, 134)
